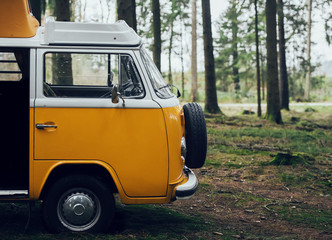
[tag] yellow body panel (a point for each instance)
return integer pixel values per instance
(16, 20)
(140, 148)
(174, 121)
(31, 162)
(42, 169)
(133, 142)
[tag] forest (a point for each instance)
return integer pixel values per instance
(254, 52)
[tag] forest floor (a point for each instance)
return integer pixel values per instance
(245, 191)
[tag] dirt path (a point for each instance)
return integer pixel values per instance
(248, 208)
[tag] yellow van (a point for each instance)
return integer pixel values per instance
(86, 114)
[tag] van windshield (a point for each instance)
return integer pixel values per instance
(161, 89)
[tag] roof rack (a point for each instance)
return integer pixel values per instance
(90, 34)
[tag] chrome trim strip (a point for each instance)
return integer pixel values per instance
(13, 192)
(93, 103)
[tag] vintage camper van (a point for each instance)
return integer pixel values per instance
(86, 114)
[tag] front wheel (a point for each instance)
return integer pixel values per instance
(78, 203)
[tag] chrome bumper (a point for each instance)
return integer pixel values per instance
(187, 189)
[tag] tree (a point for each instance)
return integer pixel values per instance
(194, 95)
(259, 109)
(273, 102)
(308, 74)
(232, 16)
(156, 26)
(126, 10)
(294, 35)
(62, 67)
(181, 55)
(172, 18)
(37, 8)
(234, 13)
(62, 10)
(211, 101)
(283, 77)
(263, 58)
(236, 48)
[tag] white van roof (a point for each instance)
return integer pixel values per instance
(118, 34)
(72, 33)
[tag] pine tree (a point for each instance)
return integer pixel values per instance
(126, 10)
(194, 95)
(273, 101)
(211, 101)
(308, 74)
(258, 74)
(156, 26)
(62, 64)
(283, 77)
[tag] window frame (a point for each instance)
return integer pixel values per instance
(118, 53)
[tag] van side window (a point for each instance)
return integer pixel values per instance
(9, 68)
(90, 75)
(130, 84)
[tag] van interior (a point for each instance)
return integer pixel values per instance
(14, 121)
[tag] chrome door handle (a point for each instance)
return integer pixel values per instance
(43, 126)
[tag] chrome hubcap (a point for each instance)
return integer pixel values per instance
(78, 210)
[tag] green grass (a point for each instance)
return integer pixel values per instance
(246, 145)
(151, 220)
(212, 162)
(131, 222)
(306, 216)
(314, 143)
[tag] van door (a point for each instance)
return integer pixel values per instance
(76, 120)
(14, 122)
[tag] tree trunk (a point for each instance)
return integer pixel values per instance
(263, 75)
(62, 10)
(283, 76)
(211, 101)
(156, 33)
(259, 109)
(235, 54)
(194, 96)
(62, 66)
(81, 11)
(308, 74)
(170, 47)
(181, 53)
(126, 10)
(36, 9)
(273, 101)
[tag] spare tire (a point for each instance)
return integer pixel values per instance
(195, 134)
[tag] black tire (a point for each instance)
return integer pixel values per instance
(195, 134)
(78, 203)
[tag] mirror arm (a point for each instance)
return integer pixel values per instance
(116, 95)
(123, 101)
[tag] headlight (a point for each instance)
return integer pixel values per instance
(183, 147)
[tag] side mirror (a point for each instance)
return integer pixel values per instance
(115, 94)
(178, 93)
